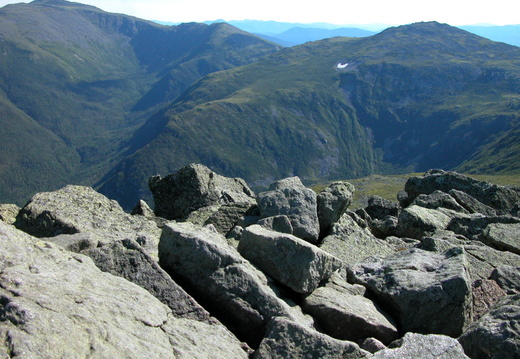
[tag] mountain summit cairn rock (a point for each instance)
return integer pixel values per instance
(194, 187)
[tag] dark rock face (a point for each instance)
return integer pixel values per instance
(333, 201)
(425, 292)
(291, 198)
(193, 187)
(496, 334)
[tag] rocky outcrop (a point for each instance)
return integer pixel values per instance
(193, 187)
(235, 291)
(291, 198)
(441, 263)
(8, 212)
(425, 292)
(78, 209)
(56, 304)
(292, 261)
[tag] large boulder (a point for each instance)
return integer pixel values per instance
(221, 280)
(58, 304)
(503, 236)
(501, 198)
(291, 198)
(290, 260)
(425, 292)
(507, 277)
(417, 222)
(193, 187)
(78, 209)
(352, 243)
(496, 334)
(438, 199)
(415, 346)
(333, 201)
(344, 314)
(289, 340)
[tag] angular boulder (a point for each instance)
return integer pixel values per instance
(417, 222)
(496, 334)
(425, 292)
(503, 236)
(193, 187)
(221, 280)
(438, 199)
(333, 201)
(291, 198)
(501, 198)
(78, 209)
(287, 339)
(345, 315)
(352, 243)
(290, 260)
(507, 277)
(430, 346)
(277, 223)
(8, 212)
(58, 304)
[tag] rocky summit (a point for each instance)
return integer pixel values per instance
(217, 271)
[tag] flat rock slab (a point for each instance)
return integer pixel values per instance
(221, 280)
(78, 209)
(346, 316)
(290, 260)
(415, 346)
(496, 334)
(58, 304)
(425, 292)
(503, 236)
(287, 339)
(417, 222)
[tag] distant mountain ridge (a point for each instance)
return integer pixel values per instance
(75, 83)
(407, 99)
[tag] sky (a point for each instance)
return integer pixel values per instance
(396, 12)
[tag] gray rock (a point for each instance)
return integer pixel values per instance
(351, 243)
(333, 201)
(193, 187)
(228, 215)
(372, 345)
(75, 242)
(471, 204)
(143, 209)
(287, 339)
(425, 292)
(221, 280)
(417, 222)
(439, 199)
(507, 277)
(472, 226)
(8, 212)
(347, 316)
(277, 223)
(78, 209)
(496, 334)
(127, 259)
(501, 198)
(291, 198)
(290, 260)
(58, 304)
(502, 236)
(415, 346)
(386, 227)
(379, 208)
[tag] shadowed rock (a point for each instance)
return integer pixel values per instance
(287, 339)
(333, 201)
(195, 186)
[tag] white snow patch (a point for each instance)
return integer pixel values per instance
(342, 66)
